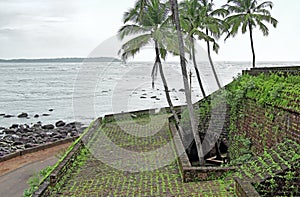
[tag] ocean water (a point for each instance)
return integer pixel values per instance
(84, 91)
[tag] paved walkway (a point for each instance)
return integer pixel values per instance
(121, 160)
(15, 173)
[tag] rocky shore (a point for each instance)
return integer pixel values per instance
(19, 137)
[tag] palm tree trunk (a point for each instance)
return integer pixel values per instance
(174, 7)
(252, 44)
(163, 78)
(211, 62)
(196, 67)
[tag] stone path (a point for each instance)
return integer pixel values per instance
(133, 167)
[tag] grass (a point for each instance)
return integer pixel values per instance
(93, 177)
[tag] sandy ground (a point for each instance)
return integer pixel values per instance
(15, 173)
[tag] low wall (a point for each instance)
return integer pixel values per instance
(45, 187)
(291, 70)
(244, 189)
(36, 149)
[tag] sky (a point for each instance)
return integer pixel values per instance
(74, 28)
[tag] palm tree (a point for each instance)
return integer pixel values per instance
(249, 14)
(215, 26)
(189, 19)
(150, 26)
(176, 20)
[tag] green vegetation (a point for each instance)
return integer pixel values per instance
(35, 181)
(274, 90)
(90, 176)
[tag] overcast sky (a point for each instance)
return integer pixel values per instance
(73, 28)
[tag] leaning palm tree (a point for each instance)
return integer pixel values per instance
(189, 19)
(213, 25)
(176, 20)
(151, 27)
(249, 14)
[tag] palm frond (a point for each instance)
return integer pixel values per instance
(133, 46)
(127, 30)
(263, 28)
(265, 5)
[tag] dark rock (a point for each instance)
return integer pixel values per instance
(145, 94)
(37, 125)
(9, 131)
(157, 99)
(36, 116)
(46, 115)
(2, 128)
(30, 145)
(14, 126)
(8, 116)
(60, 123)
(2, 114)
(181, 90)
(23, 115)
(48, 126)
(18, 143)
(73, 125)
(74, 133)
(143, 97)
(51, 110)
(153, 97)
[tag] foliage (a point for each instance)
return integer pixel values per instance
(249, 13)
(240, 150)
(35, 180)
(274, 90)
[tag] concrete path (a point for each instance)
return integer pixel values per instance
(15, 173)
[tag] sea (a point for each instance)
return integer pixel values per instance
(84, 91)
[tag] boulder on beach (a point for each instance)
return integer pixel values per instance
(18, 143)
(2, 114)
(46, 115)
(8, 116)
(181, 90)
(60, 123)
(51, 110)
(48, 126)
(36, 116)
(9, 131)
(143, 97)
(23, 115)
(14, 126)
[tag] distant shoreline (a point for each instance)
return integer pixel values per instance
(69, 60)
